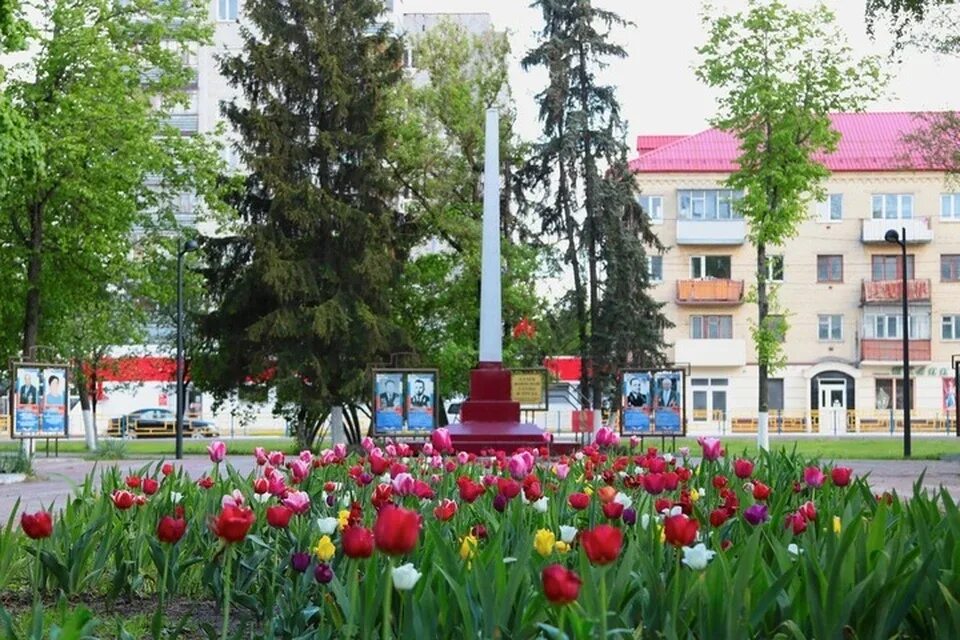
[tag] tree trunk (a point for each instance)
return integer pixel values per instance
(590, 228)
(337, 433)
(31, 321)
(763, 309)
(86, 409)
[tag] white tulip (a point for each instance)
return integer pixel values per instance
(697, 557)
(509, 560)
(794, 550)
(327, 525)
(623, 499)
(262, 497)
(668, 458)
(541, 505)
(567, 533)
(175, 497)
(405, 576)
(645, 521)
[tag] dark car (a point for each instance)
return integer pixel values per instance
(160, 423)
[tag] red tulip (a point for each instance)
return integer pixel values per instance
(133, 481)
(613, 510)
(469, 490)
(261, 486)
(684, 474)
(279, 515)
(680, 531)
(508, 487)
(122, 499)
(671, 480)
(760, 491)
(233, 523)
(445, 510)
(396, 530)
(809, 510)
(719, 482)
(718, 517)
(166, 469)
(796, 521)
(382, 495)
(662, 503)
(38, 525)
(149, 486)
(170, 530)
(743, 468)
(560, 585)
(357, 542)
(841, 476)
(653, 483)
(602, 543)
(205, 482)
(579, 501)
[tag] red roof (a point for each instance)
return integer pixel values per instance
(137, 369)
(649, 143)
(869, 142)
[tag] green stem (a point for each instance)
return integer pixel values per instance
(38, 571)
(560, 620)
(387, 602)
(163, 583)
(603, 603)
(226, 593)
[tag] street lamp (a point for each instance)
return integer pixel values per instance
(182, 250)
(901, 239)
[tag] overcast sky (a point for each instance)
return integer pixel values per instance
(655, 83)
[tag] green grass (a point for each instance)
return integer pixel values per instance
(164, 447)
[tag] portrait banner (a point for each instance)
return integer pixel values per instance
(39, 401)
(421, 400)
(652, 402)
(387, 401)
(635, 402)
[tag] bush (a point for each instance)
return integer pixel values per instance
(16, 462)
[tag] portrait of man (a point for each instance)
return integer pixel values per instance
(667, 396)
(28, 390)
(54, 394)
(636, 397)
(419, 397)
(390, 398)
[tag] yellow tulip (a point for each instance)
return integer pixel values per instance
(325, 549)
(588, 490)
(561, 546)
(343, 518)
(468, 547)
(836, 524)
(544, 541)
(694, 495)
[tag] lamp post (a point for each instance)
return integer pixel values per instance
(182, 250)
(901, 239)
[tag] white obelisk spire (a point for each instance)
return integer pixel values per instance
(491, 318)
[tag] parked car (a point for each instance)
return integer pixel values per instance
(158, 423)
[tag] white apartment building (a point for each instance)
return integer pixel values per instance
(837, 283)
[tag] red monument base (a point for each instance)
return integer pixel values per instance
(490, 419)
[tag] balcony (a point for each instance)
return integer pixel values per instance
(730, 352)
(891, 291)
(892, 350)
(718, 292)
(711, 232)
(918, 230)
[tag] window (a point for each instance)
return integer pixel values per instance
(950, 328)
(830, 327)
(652, 206)
(889, 326)
(228, 9)
(655, 268)
(950, 206)
(711, 327)
(775, 268)
(893, 206)
(891, 389)
(709, 204)
(775, 394)
(950, 267)
(778, 327)
(831, 209)
(702, 267)
(829, 268)
(888, 267)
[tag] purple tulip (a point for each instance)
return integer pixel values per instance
(323, 573)
(365, 478)
(300, 561)
(500, 502)
(629, 516)
(756, 514)
(813, 476)
(331, 500)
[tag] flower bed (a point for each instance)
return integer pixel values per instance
(608, 542)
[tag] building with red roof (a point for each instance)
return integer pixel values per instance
(837, 281)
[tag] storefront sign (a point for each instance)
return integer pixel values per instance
(529, 388)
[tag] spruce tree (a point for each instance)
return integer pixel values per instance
(300, 293)
(589, 198)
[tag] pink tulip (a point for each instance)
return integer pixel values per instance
(518, 467)
(391, 450)
(277, 485)
(606, 437)
(562, 470)
(368, 444)
(547, 437)
(306, 456)
(298, 501)
(261, 455)
(436, 461)
(813, 476)
(634, 442)
(300, 470)
(404, 450)
(234, 499)
(276, 458)
(403, 484)
(441, 440)
(217, 451)
(327, 456)
(340, 451)
(463, 457)
(712, 449)
(427, 449)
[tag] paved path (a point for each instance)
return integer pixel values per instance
(57, 478)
